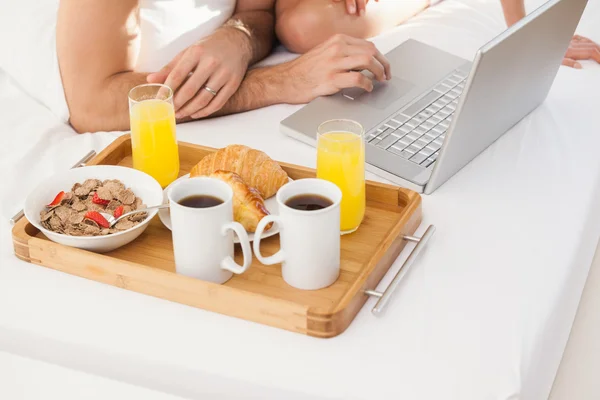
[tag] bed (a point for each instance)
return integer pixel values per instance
(484, 314)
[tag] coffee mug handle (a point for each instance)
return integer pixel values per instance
(275, 258)
(228, 263)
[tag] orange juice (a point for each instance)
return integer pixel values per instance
(341, 160)
(153, 140)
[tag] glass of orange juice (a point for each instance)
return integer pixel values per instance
(341, 160)
(153, 138)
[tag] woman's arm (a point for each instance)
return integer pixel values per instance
(514, 11)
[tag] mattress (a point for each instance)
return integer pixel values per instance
(484, 314)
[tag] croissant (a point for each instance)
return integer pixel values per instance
(256, 168)
(248, 206)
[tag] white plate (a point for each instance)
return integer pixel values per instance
(271, 204)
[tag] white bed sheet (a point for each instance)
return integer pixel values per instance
(485, 313)
(56, 382)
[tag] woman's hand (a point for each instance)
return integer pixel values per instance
(205, 75)
(581, 48)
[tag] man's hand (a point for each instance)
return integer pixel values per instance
(333, 66)
(217, 62)
(581, 48)
(357, 7)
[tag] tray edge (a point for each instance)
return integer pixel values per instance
(331, 324)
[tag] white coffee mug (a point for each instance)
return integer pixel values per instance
(203, 237)
(310, 240)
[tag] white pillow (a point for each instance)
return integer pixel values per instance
(28, 53)
(28, 42)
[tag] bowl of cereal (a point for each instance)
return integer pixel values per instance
(68, 207)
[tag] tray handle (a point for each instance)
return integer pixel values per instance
(80, 163)
(384, 297)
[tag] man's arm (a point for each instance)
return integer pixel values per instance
(325, 70)
(256, 19)
(97, 46)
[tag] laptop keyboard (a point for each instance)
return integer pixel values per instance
(417, 132)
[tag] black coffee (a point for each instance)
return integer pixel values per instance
(308, 202)
(200, 201)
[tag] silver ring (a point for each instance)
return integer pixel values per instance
(210, 90)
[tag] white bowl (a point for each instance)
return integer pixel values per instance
(142, 185)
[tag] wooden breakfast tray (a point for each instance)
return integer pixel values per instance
(146, 265)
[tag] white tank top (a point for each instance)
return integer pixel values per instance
(170, 26)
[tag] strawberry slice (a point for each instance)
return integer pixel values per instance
(57, 199)
(97, 218)
(118, 212)
(96, 199)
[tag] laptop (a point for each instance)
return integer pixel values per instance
(439, 111)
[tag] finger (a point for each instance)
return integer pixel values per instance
(580, 38)
(361, 6)
(584, 45)
(352, 79)
(158, 77)
(569, 62)
(180, 72)
(194, 83)
(351, 6)
(219, 101)
(372, 49)
(361, 62)
(161, 76)
(387, 67)
(203, 98)
(584, 54)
